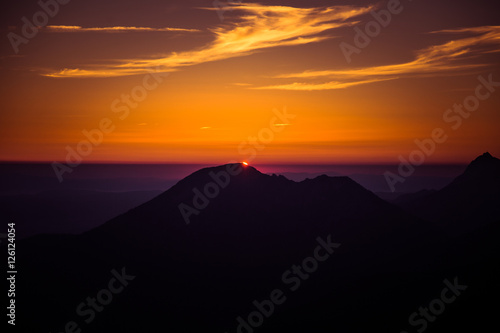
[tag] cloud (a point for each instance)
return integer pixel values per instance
(260, 27)
(320, 86)
(482, 29)
(77, 28)
(454, 55)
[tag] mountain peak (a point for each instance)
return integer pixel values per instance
(483, 165)
(485, 157)
(231, 168)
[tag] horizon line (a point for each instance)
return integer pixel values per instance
(233, 162)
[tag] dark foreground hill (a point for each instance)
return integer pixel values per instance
(259, 253)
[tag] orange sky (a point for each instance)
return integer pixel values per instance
(217, 83)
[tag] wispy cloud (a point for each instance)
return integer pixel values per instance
(320, 86)
(77, 28)
(481, 29)
(454, 55)
(260, 27)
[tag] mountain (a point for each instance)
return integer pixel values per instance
(472, 196)
(255, 203)
(234, 253)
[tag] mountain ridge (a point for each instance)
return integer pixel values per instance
(470, 196)
(236, 250)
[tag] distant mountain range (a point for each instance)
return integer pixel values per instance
(67, 211)
(251, 238)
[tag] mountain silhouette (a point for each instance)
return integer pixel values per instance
(205, 252)
(472, 196)
(255, 204)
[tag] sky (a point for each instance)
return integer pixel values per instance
(286, 82)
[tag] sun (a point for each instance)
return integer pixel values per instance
(244, 163)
